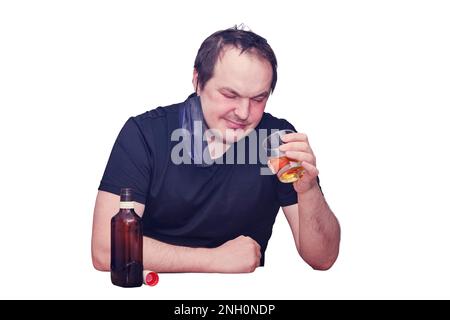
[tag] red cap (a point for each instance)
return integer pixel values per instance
(151, 278)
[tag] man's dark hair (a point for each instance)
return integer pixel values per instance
(245, 40)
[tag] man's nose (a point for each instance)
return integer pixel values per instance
(242, 110)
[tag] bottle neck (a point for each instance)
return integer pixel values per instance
(126, 204)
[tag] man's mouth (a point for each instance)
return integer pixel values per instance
(235, 125)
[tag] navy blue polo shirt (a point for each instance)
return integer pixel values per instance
(188, 204)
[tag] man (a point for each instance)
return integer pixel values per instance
(204, 215)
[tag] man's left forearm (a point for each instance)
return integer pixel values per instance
(319, 231)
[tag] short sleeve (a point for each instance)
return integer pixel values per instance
(129, 165)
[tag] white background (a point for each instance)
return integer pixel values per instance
(368, 81)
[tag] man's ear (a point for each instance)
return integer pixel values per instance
(195, 81)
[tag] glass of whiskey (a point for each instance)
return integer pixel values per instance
(286, 169)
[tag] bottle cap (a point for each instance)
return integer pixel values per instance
(151, 278)
(126, 194)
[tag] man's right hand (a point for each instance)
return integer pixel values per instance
(240, 255)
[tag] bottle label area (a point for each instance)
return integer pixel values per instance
(126, 204)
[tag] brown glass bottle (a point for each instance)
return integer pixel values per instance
(126, 244)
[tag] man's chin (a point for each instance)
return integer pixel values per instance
(228, 135)
(234, 135)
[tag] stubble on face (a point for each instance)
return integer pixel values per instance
(233, 100)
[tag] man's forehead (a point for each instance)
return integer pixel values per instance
(243, 72)
(229, 52)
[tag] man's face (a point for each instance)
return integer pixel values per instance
(233, 100)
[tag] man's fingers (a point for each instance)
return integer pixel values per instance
(296, 136)
(312, 170)
(296, 146)
(300, 156)
(258, 247)
(252, 240)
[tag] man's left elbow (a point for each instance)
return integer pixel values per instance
(324, 264)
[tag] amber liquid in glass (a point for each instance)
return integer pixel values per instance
(287, 171)
(126, 244)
